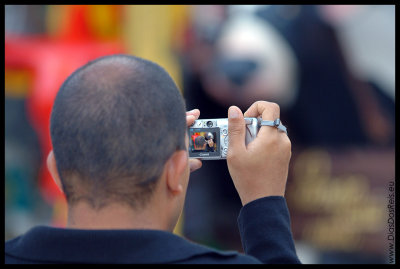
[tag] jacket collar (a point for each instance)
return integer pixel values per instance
(48, 244)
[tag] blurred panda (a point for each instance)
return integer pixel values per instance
(290, 55)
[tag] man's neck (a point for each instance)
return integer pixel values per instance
(113, 216)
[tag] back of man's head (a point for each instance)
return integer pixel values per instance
(114, 124)
(199, 141)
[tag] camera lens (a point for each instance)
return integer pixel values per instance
(209, 123)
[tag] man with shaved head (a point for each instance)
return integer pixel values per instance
(119, 135)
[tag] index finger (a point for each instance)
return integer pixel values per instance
(267, 110)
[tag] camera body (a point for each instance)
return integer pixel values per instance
(208, 138)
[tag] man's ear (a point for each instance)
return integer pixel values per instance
(176, 170)
(51, 165)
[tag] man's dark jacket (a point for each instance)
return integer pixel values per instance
(264, 226)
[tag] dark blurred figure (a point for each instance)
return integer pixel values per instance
(289, 55)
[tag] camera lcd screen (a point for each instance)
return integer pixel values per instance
(204, 142)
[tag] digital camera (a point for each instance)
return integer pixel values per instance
(208, 138)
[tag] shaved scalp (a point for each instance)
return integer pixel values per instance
(115, 122)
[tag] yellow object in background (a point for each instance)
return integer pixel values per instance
(17, 83)
(105, 21)
(152, 32)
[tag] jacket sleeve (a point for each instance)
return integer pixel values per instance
(264, 226)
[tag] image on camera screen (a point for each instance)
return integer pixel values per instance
(204, 141)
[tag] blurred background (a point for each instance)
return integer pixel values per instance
(330, 68)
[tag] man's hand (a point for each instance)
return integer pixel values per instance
(210, 143)
(261, 168)
(191, 116)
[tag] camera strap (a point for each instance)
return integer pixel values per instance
(276, 123)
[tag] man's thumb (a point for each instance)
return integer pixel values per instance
(236, 129)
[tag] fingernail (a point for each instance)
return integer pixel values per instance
(233, 113)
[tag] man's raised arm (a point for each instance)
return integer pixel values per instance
(259, 172)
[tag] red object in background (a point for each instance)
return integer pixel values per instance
(51, 62)
(77, 26)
